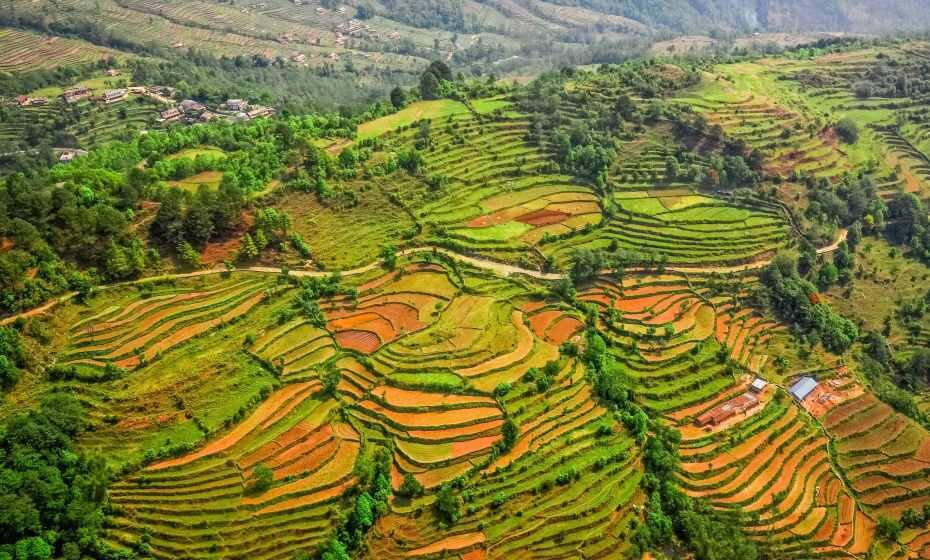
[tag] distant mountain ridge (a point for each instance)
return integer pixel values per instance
(703, 16)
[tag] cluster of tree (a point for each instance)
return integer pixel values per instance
(271, 228)
(436, 81)
(908, 224)
(894, 378)
(838, 269)
(854, 200)
(583, 147)
(373, 469)
(42, 225)
(186, 221)
(891, 78)
(56, 221)
(12, 357)
(307, 301)
(426, 14)
(796, 301)
(52, 496)
(184, 167)
(587, 264)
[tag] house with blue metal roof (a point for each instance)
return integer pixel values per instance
(803, 387)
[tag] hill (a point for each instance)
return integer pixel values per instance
(649, 309)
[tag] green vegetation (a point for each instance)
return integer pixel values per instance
(52, 494)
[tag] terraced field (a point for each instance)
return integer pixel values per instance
(418, 359)
(490, 191)
(522, 403)
(682, 228)
(886, 457)
(775, 468)
(89, 122)
(792, 141)
(24, 50)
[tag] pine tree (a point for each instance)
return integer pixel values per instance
(249, 250)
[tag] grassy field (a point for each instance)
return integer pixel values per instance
(410, 114)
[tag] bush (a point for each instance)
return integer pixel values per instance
(848, 131)
(262, 479)
(448, 504)
(410, 487)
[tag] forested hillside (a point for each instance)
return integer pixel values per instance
(707, 16)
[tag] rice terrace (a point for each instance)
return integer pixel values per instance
(670, 307)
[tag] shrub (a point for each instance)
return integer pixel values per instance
(262, 479)
(410, 487)
(848, 131)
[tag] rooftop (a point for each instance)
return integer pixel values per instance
(803, 387)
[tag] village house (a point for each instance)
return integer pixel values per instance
(38, 101)
(803, 387)
(299, 58)
(22, 100)
(191, 107)
(171, 114)
(164, 91)
(259, 111)
(727, 410)
(75, 94)
(112, 72)
(137, 90)
(236, 104)
(114, 95)
(66, 157)
(758, 385)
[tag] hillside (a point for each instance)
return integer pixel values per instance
(381, 39)
(641, 310)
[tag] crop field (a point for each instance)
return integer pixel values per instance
(502, 201)
(23, 50)
(390, 346)
(90, 122)
(885, 456)
(775, 468)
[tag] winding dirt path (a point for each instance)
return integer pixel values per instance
(498, 268)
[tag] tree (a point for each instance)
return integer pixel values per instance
(198, 225)
(388, 257)
(262, 478)
(398, 97)
(448, 504)
(888, 529)
(848, 130)
(331, 381)
(672, 168)
(410, 487)
(441, 70)
(827, 276)
(510, 432)
(248, 251)
(625, 107)
(429, 86)
(586, 264)
(188, 255)
(334, 549)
